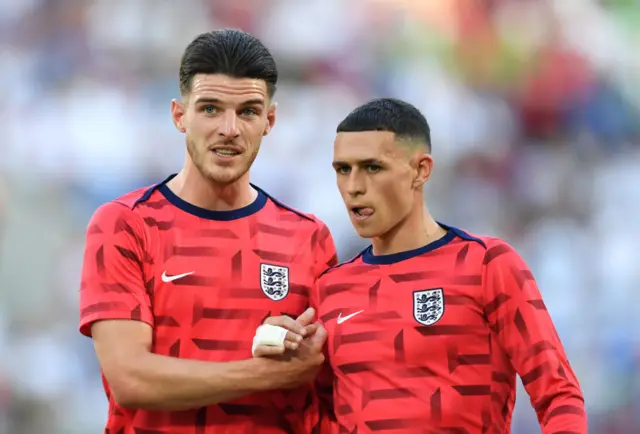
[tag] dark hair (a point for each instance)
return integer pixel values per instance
(230, 52)
(388, 114)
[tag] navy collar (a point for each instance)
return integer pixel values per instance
(369, 258)
(204, 213)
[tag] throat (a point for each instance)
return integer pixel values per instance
(403, 239)
(203, 194)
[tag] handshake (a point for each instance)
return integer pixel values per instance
(296, 345)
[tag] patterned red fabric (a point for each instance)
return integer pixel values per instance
(204, 281)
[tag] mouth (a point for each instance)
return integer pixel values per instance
(226, 152)
(361, 213)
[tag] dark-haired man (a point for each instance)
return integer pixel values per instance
(429, 326)
(177, 276)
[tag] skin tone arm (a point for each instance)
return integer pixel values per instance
(141, 379)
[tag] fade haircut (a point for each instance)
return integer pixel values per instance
(392, 115)
(230, 52)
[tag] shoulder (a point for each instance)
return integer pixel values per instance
(302, 219)
(343, 267)
(497, 247)
(484, 250)
(469, 239)
(494, 252)
(119, 215)
(502, 259)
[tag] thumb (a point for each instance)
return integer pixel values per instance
(307, 317)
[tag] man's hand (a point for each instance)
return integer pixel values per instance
(297, 330)
(304, 364)
(301, 356)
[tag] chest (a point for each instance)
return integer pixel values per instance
(409, 319)
(218, 276)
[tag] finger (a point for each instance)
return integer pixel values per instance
(291, 345)
(293, 338)
(287, 323)
(307, 317)
(293, 341)
(319, 338)
(268, 350)
(311, 329)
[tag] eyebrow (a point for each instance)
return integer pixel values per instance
(366, 162)
(209, 100)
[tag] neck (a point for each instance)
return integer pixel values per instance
(191, 186)
(415, 231)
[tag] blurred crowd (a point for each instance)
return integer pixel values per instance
(534, 109)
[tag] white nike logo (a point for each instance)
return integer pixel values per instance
(168, 279)
(342, 319)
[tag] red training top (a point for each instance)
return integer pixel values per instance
(203, 280)
(431, 340)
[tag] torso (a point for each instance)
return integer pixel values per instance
(408, 341)
(242, 272)
(212, 280)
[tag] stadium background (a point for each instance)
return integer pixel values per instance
(534, 111)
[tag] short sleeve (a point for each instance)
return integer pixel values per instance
(326, 255)
(112, 284)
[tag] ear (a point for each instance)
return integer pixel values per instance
(271, 118)
(424, 166)
(177, 115)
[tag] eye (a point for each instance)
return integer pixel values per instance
(209, 109)
(373, 168)
(343, 170)
(249, 112)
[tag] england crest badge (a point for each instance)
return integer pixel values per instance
(428, 306)
(274, 281)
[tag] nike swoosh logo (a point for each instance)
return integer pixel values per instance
(342, 319)
(168, 279)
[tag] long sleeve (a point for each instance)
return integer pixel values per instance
(523, 326)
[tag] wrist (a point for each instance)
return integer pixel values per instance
(265, 373)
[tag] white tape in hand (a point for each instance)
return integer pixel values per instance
(269, 335)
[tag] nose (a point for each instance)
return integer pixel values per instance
(355, 184)
(229, 127)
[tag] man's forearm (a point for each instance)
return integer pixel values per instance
(564, 413)
(157, 382)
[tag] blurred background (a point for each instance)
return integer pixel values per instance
(534, 108)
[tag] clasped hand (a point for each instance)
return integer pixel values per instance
(302, 346)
